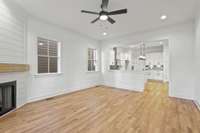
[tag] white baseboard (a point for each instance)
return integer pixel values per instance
(180, 96)
(38, 98)
(35, 99)
(125, 89)
(197, 104)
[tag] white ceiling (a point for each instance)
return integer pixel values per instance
(142, 14)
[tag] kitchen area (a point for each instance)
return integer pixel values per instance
(150, 59)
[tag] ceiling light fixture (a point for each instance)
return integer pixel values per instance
(103, 17)
(40, 44)
(163, 17)
(105, 33)
(141, 57)
(142, 52)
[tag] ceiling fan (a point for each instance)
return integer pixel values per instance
(104, 14)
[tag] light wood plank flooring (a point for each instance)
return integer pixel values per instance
(107, 110)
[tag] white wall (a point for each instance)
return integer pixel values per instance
(197, 48)
(181, 62)
(12, 33)
(15, 32)
(13, 49)
(13, 45)
(74, 61)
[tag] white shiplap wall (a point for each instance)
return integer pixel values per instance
(12, 33)
(13, 45)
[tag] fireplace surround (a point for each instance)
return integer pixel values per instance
(7, 97)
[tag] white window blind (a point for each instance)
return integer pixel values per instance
(92, 60)
(48, 56)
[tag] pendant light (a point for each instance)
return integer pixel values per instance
(142, 52)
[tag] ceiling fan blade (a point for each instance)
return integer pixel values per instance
(122, 11)
(95, 20)
(104, 5)
(90, 12)
(112, 21)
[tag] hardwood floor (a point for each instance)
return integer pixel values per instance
(107, 110)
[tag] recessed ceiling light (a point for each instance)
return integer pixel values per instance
(40, 44)
(163, 17)
(105, 33)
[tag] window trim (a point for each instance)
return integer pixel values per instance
(47, 74)
(97, 61)
(59, 58)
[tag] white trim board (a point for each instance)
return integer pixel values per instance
(35, 99)
(197, 104)
(124, 89)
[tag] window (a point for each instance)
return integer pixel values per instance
(92, 60)
(48, 56)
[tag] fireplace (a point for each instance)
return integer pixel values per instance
(7, 97)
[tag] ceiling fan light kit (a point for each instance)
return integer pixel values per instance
(104, 15)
